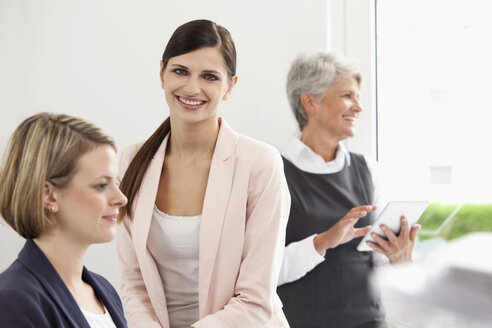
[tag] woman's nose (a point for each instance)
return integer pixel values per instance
(357, 105)
(119, 198)
(191, 86)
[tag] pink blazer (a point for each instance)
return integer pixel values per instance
(242, 237)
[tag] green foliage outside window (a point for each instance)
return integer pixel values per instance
(451, 221)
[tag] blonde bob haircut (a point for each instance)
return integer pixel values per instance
(45, 147)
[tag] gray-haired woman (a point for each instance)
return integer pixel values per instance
(324, 280)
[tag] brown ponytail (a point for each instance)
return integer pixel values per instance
(130, 184)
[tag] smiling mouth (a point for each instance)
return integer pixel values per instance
(349, 118)
(190, 102)
(112, 218)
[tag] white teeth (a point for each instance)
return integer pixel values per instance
(189, 102)
(349, 118)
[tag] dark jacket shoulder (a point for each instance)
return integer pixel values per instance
(32, 294)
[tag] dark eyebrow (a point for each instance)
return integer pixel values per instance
(180, 66)
(211, 71)
(207, 71)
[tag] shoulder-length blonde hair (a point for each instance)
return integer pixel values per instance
(44, 147)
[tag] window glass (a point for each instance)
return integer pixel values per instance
(434, 117)
(434, 65)
(433, 80)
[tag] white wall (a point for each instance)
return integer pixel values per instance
(100, 60)
(351, 33)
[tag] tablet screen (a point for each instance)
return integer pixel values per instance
(390, 216)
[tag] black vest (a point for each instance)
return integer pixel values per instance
(337, 292)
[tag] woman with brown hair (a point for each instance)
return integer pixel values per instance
(203, 231)
(59, 192)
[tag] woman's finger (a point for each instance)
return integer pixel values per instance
(389, 234)
(365, 208)
(404, 228)
(413, 232)
(361, 231)
(383, 243)
(375, 247)
(347, 222)
(355, 215)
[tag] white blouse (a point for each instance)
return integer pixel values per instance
(174, 243)
(98, 320)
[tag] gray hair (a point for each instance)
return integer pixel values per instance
(314, 74)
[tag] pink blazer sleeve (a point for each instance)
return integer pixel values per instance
(255, 302)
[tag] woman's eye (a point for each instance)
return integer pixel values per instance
(210, 77)
(180, 71)
(101, 187)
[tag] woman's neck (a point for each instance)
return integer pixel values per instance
(321, 143)
(66, 257)
(193, 140)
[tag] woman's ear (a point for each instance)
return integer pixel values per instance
(309, 104)
(49, 198)
(232, 83)
(161, 74)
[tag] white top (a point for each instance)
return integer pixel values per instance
(173, 242)
(301, 256)
(99, 320)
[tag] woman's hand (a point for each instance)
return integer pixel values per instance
(343, 231)
(398, 249)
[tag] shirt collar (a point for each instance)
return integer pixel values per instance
(304, 158)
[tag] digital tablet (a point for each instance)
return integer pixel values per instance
(391, 215)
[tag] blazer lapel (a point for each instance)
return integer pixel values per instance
(37, 263)
(144, 206)
(107, 297)
(214, 207)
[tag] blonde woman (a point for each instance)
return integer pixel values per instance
(59, 192)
